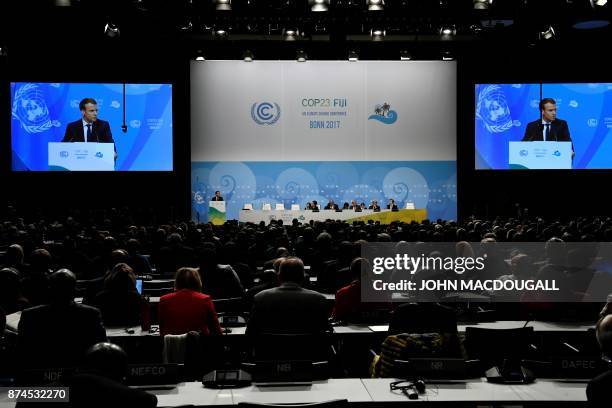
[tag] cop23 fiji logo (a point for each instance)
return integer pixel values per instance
(384, 114)
(265, 113)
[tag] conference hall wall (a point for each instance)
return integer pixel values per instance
(289, 132)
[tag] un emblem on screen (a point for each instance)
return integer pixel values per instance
(30, 108)
(265, 113)
(492, 109)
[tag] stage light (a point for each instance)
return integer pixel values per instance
(482, 4)
(3, 52)
(223, 5)
(448, 30)
(353, 56)
(200, 56)
(301, 56)
(291, 34)
(220, 32)
(405, 56)
(319, 5)
(377, 34)
(186, 25)
(247, 56)
(447, 56)
(63, 3)
(548, 33)
(599, 3)
(376, 5)
(111, 30)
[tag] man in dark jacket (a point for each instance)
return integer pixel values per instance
(58, 334)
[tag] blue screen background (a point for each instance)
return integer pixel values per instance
(41, 111)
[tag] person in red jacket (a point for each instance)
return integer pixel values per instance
(187, 308)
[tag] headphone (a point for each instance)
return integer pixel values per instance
(412, 389)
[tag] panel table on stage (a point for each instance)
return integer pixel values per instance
(305, 216)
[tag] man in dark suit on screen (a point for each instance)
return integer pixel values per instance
(548, 128)
(89, 128)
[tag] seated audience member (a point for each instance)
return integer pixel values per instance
(119, 302)
(289, 308)
(391, 205)
(35, 284)
(11, 298)
(218, 281)
(13, 258)
(96, 285)
(58, 334)
(348, 305)
(139, 263)
(100, 382)
(187, 308)
(269, 280)
(599, 388)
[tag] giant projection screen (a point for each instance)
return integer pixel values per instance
(290, 132)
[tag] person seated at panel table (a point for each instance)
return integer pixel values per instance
(374, 206)
(362, 206)
(599, 389)
(187, 308)
(345, 206)
(331, 205)
(60, 333)
(353, 205)
(315, 205)
(391, 205)
(308, 206)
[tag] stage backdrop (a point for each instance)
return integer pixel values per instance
(290, 132)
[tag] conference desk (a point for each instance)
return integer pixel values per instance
(371, 392)
(305, 216)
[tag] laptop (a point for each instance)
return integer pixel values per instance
(139, 286)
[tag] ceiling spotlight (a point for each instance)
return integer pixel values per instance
(376, 5)
(200, 56)
(111, 30)
(547, 34)
(447, 56)
(63, 3)
(186, 25)
(599, 3)
(223, 5)
(482, 4)
(247, 56)
(353, 56)
(3, 52)
(220, 32)
(301, 56)
(447, 31)
(405, 56)
(319, 5)
(377, 34)
(291, 34)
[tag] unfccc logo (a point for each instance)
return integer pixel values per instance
(265, 113)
